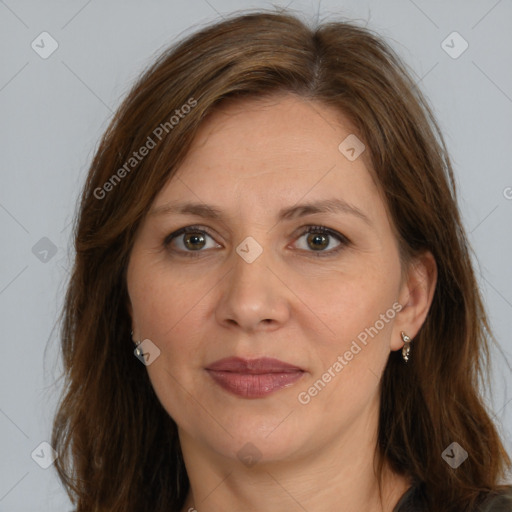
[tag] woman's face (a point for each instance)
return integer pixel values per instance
(258, 281)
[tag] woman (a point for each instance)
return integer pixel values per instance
(273, 305)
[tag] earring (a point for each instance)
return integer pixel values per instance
(138, 351)
(406, 350)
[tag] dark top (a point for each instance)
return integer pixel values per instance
(414, 501)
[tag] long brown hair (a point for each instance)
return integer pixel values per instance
(118, 448)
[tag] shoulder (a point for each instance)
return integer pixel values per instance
(499, 501)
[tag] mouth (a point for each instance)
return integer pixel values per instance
(253, 378)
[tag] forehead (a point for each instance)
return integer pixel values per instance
(271, 151)
(263, 129)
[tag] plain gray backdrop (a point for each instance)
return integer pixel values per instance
(55, 106)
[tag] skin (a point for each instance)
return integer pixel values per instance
(250, 159)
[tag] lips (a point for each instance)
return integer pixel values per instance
(253, 378)
(253, 366)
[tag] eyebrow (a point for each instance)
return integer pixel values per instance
(334, 205)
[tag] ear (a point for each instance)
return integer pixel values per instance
(415, 297)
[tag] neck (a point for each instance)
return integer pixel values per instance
(338, 476)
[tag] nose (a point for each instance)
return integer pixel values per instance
(252, 296)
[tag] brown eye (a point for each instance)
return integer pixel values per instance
(317, 241)
(193, 241)
(319, 238)
(189, 240)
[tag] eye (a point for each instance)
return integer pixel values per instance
(318, 239)
(190, 240)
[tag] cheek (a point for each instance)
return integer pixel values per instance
(165, 309)
(349, 366)
(355, 307)
(162, 300)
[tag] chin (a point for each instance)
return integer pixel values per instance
(265, 438)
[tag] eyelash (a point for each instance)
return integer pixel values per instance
(344, 241)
